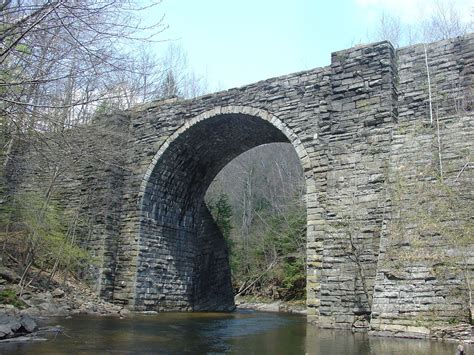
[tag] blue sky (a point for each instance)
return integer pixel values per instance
(233, 43)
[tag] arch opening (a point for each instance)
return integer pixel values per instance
(258, 202)
(183, 261)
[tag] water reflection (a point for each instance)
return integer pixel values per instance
(328, 341)
(236, 333)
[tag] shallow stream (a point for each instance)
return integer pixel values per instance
(242, 332)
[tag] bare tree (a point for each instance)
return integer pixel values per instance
(61, 62)
(265, 188)
(389, 28)
(58, 56)
(445, 22)
(442, 23)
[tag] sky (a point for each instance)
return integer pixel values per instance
(237, 42)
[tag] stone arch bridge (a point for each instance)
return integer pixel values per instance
(353, 127)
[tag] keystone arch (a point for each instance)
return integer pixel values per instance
(182, 260)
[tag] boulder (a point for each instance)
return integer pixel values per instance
(48, 308)
(40, 298)
(28, 324)
(124, 312)
(31, 311)
(14, 326)
(5, 331)
(57, 293)
(9, 275)
(10, 321)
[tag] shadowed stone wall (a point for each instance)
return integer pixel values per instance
(352, 125)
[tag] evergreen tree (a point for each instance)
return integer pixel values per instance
(169, 87)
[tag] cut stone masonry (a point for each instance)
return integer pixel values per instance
(352, 125)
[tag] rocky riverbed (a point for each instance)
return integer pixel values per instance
(53, 298)
(21, 310)
(59, 302)
(22, 324)
(21, 321)
(270, 306)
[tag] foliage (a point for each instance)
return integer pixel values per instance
(8, 296)
(5, 207)
(169, 87)
(40, 234)
(274, 258)
(265, 221)
(221, 211)
(294, 279)
(63, 66)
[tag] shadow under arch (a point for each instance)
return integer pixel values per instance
(182, 259)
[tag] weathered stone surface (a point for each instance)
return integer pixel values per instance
(355, 125)
(413, 292)
(28, 324)
(12, 325)
(57, 293)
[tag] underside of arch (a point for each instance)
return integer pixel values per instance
(183, 260)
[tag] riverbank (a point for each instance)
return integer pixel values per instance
(22, 309)
(268, 305)
(73, 297)
(61, 301)
(51, 298)
(461, 332)
(25, 321)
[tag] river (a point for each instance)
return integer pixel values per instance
(242, 332)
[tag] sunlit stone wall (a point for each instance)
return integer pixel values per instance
(356, 125)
